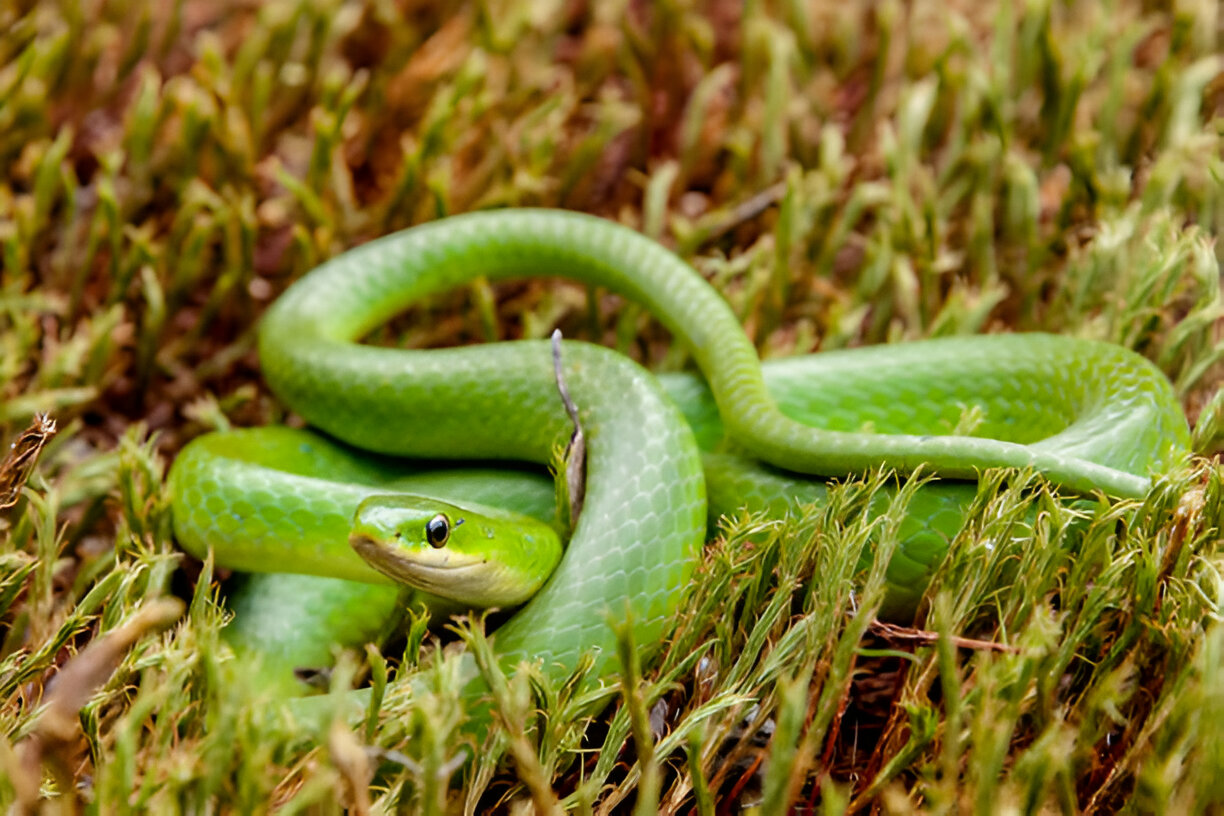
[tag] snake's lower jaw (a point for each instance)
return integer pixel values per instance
(383, 558)
(469, 581)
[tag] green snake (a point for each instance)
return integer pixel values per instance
(664, 454)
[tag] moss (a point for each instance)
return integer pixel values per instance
(845, 173)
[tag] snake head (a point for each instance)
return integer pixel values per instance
(477, 556)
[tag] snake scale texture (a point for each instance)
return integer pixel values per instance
(1090, 416)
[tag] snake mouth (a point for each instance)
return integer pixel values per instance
(442, 572)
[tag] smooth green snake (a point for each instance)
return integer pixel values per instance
(1090, 416)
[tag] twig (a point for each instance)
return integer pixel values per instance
(575, 451)
(22, 456)
(926, 637)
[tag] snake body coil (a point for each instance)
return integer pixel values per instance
(1090, 416)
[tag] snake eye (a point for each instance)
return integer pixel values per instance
(437, 530)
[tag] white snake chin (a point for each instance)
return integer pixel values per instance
(439, 572)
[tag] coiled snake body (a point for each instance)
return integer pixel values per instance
(1090, 416)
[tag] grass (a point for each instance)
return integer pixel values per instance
(846, 173)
